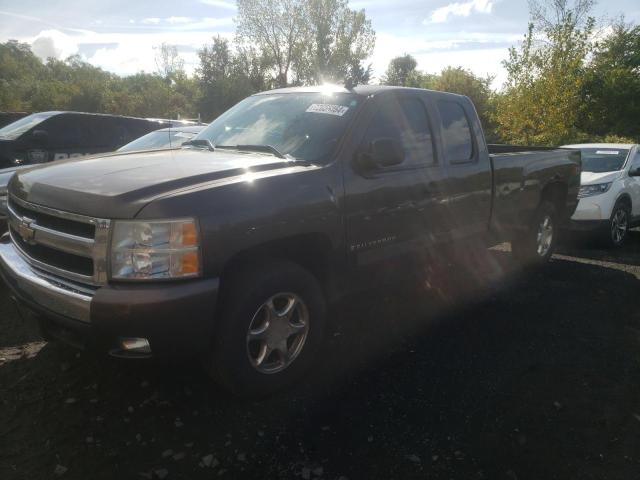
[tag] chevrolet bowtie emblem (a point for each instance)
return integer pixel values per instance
(26, 231)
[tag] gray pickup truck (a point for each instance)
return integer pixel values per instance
(232, 247)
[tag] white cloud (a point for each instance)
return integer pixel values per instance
(219, 4)
(125, 53)
(177, 20)
(53, 44)
(151, 21)
(457, 9)
(434, 55)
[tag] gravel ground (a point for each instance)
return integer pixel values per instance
(486, 372)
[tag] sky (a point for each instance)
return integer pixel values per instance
(121, 35)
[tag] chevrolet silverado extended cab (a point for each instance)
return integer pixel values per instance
(232, 246)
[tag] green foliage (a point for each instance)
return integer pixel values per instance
(308, 41)
(401, 72)
(563, 87)
(542, 101)
(226, 76)
(612, 85)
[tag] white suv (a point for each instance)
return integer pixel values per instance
(609, 190)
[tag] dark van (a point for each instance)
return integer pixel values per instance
(47, 136)
(9, 117)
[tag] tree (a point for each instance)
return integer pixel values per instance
(277, 27)
(307, 41)
(611, 89)
(20, 70)
(541, 102)
(169, 64)
(226, 76)
(339, 40)
(401, 71)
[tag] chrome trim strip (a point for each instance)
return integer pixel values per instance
(52, 211)
(40, 290)
(52, 238)
(51, 269)
(64, 241)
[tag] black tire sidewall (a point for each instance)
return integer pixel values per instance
(230, 364)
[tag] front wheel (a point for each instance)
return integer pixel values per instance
(271, 325)
(537, 243)
(618, 225)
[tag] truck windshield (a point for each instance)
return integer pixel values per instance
(599, 160)
(306, 126)
(17, 128)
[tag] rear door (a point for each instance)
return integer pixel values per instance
(469, 180)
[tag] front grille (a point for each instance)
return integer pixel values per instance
(50, 256)
(64, 225)
(69, 246)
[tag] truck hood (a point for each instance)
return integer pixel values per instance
(119, 185)
(593, 178)
(5, 176)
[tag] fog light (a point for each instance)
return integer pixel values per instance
(138, 345)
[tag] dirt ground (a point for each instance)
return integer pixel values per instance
(497, 374)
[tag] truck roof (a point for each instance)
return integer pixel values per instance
(363, 90)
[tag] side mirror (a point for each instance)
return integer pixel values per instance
(41, 137)
(634, 172)
(383, 152)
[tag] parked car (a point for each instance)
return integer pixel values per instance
(610, 190)
(233, 246)
(172, 137)
(47, 136)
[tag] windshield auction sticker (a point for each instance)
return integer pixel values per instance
(328, 108)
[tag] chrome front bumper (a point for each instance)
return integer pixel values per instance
(37, 289)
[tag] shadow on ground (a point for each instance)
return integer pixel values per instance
(483, 376)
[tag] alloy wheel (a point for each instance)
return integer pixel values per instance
(277, 332)
(619, 224)
(544, 238)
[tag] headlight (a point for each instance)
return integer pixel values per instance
(591, 190)
(154, 250)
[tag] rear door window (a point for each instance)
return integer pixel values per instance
(456, 132)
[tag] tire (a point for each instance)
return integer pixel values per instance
(260, 307)
(536, 245)
(618, 230)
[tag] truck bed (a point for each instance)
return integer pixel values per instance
(520, 173)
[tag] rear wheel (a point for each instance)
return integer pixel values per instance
(618, 225)
(537, 243)
(271, 325)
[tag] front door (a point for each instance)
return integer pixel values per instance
(393, 211)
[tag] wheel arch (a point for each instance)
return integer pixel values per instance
(624, 197)
(310, 250)
(556, 192)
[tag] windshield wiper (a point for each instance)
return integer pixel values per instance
(257, 148)
(200, 143)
